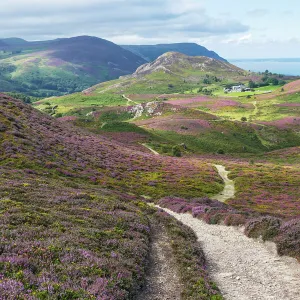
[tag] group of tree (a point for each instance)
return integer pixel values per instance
(209, 79)
(23, 97)
(265, 81)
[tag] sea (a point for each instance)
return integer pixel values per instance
(285, 66)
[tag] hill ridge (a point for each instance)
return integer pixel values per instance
(152, 52)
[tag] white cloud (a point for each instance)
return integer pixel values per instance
(258, 13)
(244, 39)
(139, 20)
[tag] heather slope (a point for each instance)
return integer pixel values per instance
(73, 224)
(34, 140)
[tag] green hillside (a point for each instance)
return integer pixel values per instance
(62, 66)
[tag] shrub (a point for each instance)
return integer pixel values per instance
(176, 151)
(220, 151)
(288, 239)
(266, 227)
(235, 220)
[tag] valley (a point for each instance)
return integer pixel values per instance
(78, 172)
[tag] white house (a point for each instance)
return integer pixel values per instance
(237, 89)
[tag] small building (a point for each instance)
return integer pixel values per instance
(237, 89)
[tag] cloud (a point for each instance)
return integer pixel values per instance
(258, 13)
(244, 39)
(140, 20)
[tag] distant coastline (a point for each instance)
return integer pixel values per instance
(286, 66)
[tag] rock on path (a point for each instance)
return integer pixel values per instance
(245, 268)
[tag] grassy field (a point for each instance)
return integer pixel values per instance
(257, 91)
(70, 104)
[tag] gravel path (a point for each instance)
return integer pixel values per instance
(245, 268)
(229, 189)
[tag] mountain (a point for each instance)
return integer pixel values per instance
(169, 74)
(63, 66)
(14, 41)
(176, 63)
(3, 44)
(174, 72)
(152, 52)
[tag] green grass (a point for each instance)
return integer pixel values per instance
(236, 141)
(123, 127)
(69, 103)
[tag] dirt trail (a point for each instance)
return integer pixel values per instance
(162, 280)
(255, 108)
(129, 101)
(229, 189)
(244, 268)
(149, 148)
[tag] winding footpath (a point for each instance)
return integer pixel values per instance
(229, 189)
(129, 101)
(243, 268)
(149, 148)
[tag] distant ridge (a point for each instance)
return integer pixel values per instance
(3, 44)
(14, 41)
(152, 52)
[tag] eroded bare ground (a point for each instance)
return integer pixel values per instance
(162, 279)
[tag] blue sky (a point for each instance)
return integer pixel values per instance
(234, 29)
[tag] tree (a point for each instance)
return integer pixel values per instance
(244, 119)
(252, 84)
(272, 81)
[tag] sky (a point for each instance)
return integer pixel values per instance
(232, 28)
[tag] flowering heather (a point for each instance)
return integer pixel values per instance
(292, 86)
(286, 122)
(71, 224)
(60, 242)
(288, 104)
(197, 100)
(211, 211)
(35, 141)
(182, 126)
(266, 227)
(288, 239)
